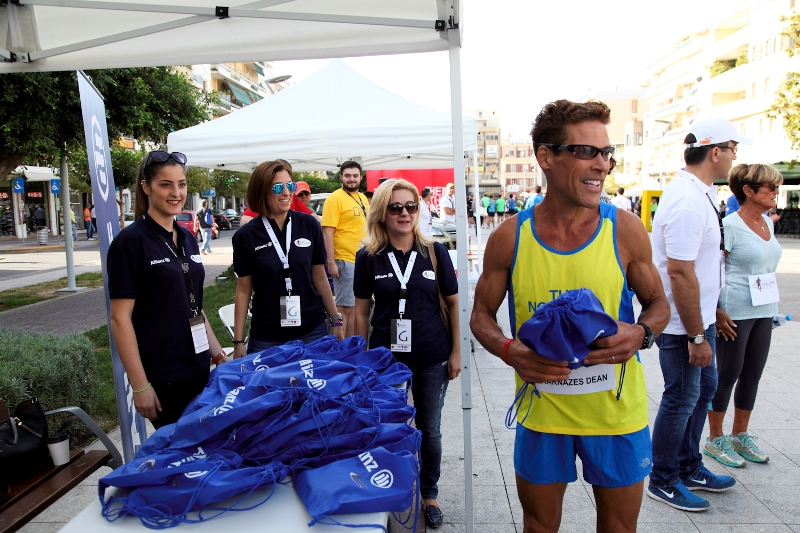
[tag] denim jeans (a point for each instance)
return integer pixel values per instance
(206, 239)
(74, 232)
(89, 229)
(429, 386)
(688, 390)
(255, 345)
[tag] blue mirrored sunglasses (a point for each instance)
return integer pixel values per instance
(278, 187)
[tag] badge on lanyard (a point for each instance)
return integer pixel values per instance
(290, 305)
(199, 335)
(400, 331)
(721, 270)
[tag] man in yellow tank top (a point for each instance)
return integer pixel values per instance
(569, 241)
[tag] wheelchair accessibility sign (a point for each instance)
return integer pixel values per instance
(18, 185)
(55, 186)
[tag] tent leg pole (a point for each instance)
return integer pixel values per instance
(462, 224)
(476, 205)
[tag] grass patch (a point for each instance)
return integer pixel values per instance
(216, 296)
(13, 298)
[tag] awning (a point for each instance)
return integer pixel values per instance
(35, 173)
(791, 174)
(254, 96)
(259, 69)
(241, 95)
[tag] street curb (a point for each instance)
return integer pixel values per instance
(45, 248)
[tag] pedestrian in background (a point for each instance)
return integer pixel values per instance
(206, 222)
(500, 206)
(93, 212)
(425, 221)
(87, 221)
(449, 203)
(747, 304)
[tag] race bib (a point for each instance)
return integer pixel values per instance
(583, 380)
(290, 311)
(400, 335)
(764, 289)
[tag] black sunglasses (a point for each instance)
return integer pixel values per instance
(397, 208)
(582, 151)
(160, 156)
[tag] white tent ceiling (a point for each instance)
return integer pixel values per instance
(330, 117)
(92, 34)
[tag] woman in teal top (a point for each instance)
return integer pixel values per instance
(747, 302)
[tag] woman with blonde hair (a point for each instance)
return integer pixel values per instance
(406, 273)
(747, 303)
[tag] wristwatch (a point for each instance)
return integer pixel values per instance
(649, 336)
(336, 318)
(697, 339)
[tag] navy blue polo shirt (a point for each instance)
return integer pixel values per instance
(142, 267)
(430, 343)
(254, 256)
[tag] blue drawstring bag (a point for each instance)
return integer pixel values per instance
(564, 329)
(378, 359)
(376, 480)
(395, 375)
(275, 356)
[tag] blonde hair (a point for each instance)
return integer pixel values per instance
(754, 176)
(377, 236)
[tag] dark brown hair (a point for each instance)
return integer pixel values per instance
(551, 124)
(147, 175)
(260, 186)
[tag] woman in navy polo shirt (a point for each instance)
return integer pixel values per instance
(280, 258)
(395, 266)
(164, 341)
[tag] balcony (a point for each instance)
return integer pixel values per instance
(731, 46)
(733, 80)
(679, 105)
(222, 72)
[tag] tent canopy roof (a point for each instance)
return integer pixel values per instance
(93, 34)
(35, 173)
(316, 124)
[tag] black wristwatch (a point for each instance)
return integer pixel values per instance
(649, 337)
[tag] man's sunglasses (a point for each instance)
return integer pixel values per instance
(160, 156)
(278, 187)
(582, 151)
(397, 208)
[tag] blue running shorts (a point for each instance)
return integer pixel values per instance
(608, 461)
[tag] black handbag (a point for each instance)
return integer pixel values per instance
(23, 440)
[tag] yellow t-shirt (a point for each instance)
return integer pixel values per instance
(348, 214)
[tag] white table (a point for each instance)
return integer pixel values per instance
(284, 512)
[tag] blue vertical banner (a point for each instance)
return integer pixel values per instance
(132, 426)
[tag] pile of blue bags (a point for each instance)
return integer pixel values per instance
(328, 415)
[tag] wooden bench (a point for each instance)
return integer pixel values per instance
(32, 495)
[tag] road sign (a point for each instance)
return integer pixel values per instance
(18, 185)
(55, 186)
(209, 193)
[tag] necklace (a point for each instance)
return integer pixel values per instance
(758, 221)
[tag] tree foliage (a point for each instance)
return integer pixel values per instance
(229, 183)
(124, 163)
(40, 113)
(787, 97)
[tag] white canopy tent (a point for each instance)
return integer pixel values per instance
(330, 117)
(49, 35)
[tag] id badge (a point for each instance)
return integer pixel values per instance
(199, 336)
(721, 270)
(400, 335)
(290, 311)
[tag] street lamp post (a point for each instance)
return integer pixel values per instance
(276, 79)
(663, 133)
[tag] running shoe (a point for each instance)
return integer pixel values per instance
(678, 496)
(721, 449)
(745, 445)
(703, 479)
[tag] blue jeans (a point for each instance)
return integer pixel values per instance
(74, 231)
(255, 345)
(429, 386)
(688, 390)
(89, 229)
(207, 239)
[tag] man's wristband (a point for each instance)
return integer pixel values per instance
(504, 353)
(238, 342)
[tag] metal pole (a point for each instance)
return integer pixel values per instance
(65, 205)
(661, 174)
(477, 204)
(463, 266)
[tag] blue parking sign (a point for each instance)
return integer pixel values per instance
(18, 185)
(55, 186)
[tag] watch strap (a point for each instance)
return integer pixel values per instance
(649, 336)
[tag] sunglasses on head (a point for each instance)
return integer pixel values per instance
(397, 208)
(278, 187)
(160, 156)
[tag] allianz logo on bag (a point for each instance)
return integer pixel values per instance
(258, 366)
(227, 405)
(194, 457)
(307, 366)
(383, 479)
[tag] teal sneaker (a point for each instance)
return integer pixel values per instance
(721, 449)
(745, 445)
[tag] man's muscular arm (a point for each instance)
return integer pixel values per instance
(489, 294)
(637, 260)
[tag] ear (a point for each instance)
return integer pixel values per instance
(544, 157)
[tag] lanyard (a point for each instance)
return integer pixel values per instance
(403, 278)
(187, 279)
(358, 201)
(284, 257)
(721, 227)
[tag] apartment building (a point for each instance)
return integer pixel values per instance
(730, 69)
(519, 172)
(489, 153)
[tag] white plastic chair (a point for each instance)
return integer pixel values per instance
(227, 317)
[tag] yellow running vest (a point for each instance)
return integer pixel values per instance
(540, 274)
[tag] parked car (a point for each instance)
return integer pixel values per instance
(128, 218)
(227, 219)
(186, 220)
(317, 201)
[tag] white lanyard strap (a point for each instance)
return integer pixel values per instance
(284, 257)
(403, 278)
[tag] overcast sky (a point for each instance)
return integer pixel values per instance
(518, 55)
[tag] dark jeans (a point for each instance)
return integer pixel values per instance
(428, 387)
(256, 345)
(688, 390)
(175, 396)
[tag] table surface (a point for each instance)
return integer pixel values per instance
(284, 512)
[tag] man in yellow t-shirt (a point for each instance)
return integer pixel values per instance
(344, 225)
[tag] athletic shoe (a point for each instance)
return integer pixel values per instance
(703, 479)
(678, 496)
(721, 449)
(745, 445)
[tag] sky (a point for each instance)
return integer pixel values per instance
(517, 55)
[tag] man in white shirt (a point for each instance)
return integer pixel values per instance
(686, 251)
(620, 201)
(425, 223)
(448, 203)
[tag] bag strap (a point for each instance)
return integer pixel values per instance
(432, 253)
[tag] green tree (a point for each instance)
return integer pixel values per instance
(229, 183)
(787, 97)
(197, 180)
(124, 163)
(40, 114)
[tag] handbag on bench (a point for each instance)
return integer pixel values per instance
(23, 440)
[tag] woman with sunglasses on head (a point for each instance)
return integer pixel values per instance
(747, 303)
(396, 267)
(280, 258)
(155, 282)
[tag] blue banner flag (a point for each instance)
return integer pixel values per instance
(132, 426)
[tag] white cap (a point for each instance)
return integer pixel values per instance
(716, 131)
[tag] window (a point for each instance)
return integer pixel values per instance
(761, 125)
(754, 90)
(628, 139)
(766, 87)
(743, 128)
(771, 124)
(639, 138)
(634, 106)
